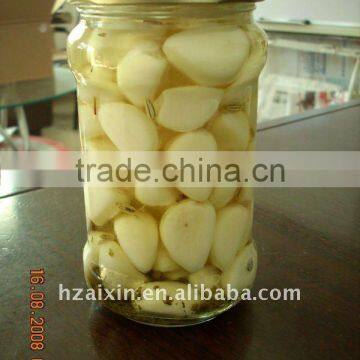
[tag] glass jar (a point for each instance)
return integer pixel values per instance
(173, 75)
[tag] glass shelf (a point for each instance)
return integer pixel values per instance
(36, 91)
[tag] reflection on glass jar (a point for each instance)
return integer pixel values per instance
(179, 77)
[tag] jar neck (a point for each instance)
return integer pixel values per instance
(167, 12)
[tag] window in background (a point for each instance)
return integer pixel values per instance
(314, 55)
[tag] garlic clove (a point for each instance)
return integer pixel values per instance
(128, 127)
(104, 203)
(187, 108)
(163, 262)
(221, 196)
(242, 272)
(117, 269)
(168, 302)
(138, 235)
(187, 231)
(232, 223)
(210, 56)
(209, 276)
(140, 72)
(232, 131)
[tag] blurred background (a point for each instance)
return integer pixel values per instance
(313, 64)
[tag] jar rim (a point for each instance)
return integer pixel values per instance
(154, 8)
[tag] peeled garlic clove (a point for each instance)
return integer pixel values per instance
(96, 96)
(128, 127)
(86, 94)
(199, 140)
(100, 144)
(163, 262)
(113, 257)
(246, 196)
(140, 72)
(253, 65)
(105, 48)
(88, 120)
(209, 276)
(177, 275)
(242, 272)
(169, 302)
(232, 131)
(138, 235)
(231, 228)
(117, 269)
(92, 248)
(114, 280)
(187, 231)
(187, 108)
(220, 197)
(100, 150)
(158, 196)
(210, 56)
(103, 204)
(103, 79)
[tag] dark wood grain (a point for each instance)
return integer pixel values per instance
(308, 239)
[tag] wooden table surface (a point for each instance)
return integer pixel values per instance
(308, 239)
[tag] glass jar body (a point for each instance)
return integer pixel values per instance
(187, 75)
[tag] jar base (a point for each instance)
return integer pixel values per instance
(158, 320)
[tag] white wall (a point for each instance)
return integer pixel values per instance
(334, 11)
